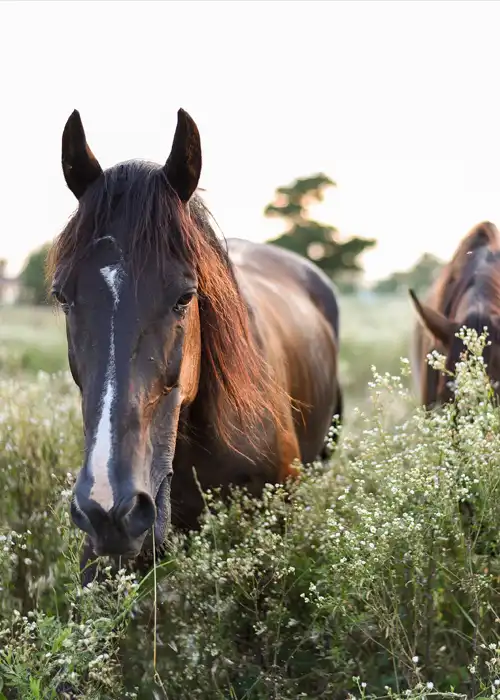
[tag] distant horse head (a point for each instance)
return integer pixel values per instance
(154, 319)
(467, 293)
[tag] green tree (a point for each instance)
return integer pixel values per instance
(316, 241)
(419, 277)
(32, 276)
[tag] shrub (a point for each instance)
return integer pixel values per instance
(376, 576)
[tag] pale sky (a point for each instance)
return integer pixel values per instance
(398, 102)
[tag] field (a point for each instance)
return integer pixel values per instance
(376, 577)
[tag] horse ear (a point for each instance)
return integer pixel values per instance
(79, 164)
(183, 166)
(441, 327)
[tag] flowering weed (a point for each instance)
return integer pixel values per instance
(376, 576)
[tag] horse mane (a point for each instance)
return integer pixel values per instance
(471, 265)
(234, 375)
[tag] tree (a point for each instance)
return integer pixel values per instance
(316, 241)
(32, 276)
(419, 277)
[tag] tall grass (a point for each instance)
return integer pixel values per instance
(376, 576)
(31, 339)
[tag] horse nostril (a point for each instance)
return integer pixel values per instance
(136, 515)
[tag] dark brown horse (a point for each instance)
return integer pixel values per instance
(466, 293)
(188, 355)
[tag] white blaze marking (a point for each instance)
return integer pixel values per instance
(103, 443)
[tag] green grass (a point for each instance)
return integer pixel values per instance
(32, 339)
(376, 577)
(372, 332)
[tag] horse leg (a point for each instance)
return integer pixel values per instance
(329, 445)
(339, 411)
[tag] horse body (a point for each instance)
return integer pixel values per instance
(195, 363)
(294, 319)
(465, 293)
(300, 321)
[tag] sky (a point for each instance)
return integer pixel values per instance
(398, 102)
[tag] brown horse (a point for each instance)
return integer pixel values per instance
(187, 355)
(466, 293)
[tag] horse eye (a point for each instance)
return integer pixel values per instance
(183, 301)
(61, 299)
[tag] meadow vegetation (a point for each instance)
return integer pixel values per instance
(376, 576)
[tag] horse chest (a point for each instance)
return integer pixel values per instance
(211, 466)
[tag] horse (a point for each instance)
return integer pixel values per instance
(201, 364)
(465, 293)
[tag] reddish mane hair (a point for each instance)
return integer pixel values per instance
(235, 379)
(462, 270)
